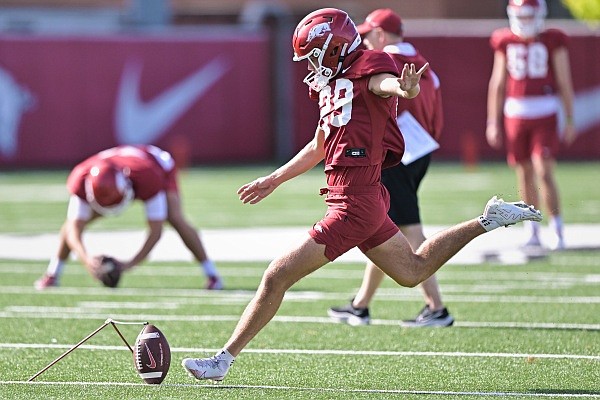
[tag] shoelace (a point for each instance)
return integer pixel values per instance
(212, 362)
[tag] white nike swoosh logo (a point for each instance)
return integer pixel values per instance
(152, 364)
(144, 122)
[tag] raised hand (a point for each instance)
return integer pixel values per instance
(410, 77)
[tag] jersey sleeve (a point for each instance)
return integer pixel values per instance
(556, 39)
(499, 38)
(370, 62)
(78, 209)
(76, 179)
(156, 207)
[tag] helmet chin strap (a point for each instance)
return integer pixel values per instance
(320, 77)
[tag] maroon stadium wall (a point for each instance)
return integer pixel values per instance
(208, 99)
(71, 97)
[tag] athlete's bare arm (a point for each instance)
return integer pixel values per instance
(495, 101)
(562, 73)
(406, 86)
(305, 160)
(152, 237)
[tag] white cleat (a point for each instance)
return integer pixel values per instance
(499, 213)
(214, 368)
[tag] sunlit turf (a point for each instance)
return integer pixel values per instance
(35, 201)
(309, 358)
(524, 331)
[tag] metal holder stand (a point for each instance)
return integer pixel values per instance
(107, 322)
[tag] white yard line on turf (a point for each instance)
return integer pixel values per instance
(190, 296)
(89, 314)
(324, 389)
(317, 352)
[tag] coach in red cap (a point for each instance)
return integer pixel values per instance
(384, 18)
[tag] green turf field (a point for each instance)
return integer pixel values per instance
(522, 331)
(36, 201)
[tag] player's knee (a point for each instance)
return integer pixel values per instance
(274, 280)
(409, 281)
(410, 277)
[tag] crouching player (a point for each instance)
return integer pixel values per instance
(104, 185)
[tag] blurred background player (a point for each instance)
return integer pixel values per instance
(382, 30)
(531, 76)
(104, 185)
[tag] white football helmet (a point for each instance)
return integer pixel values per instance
(526, 17)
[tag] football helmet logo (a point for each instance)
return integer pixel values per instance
(526, 17)
(324, 38)
(107, 189)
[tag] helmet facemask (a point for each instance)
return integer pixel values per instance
(319, 75)
(526, 20)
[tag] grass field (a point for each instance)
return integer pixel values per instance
(522, 331)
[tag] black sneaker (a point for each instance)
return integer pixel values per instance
(350, 315)
(439, 318)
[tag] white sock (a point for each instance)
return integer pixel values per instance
(533, 227)
(556, 224)
(488, 224)
(209, 268)
(55, 267)
(226, 356)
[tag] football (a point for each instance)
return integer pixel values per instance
(152, 355)
(110, 273)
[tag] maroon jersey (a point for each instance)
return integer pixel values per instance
(149, 174)
(529, 61)
(426, 108)
(360, 127)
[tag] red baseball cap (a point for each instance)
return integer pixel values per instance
(384, 18)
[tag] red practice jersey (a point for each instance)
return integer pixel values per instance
(149, 171)
(360, 127)
(529, 61)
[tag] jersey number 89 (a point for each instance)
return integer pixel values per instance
(336, 107)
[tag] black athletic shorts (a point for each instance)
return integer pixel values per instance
(402, 181)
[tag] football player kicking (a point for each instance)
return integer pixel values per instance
(103, 185)
(357, 136)
(531, 78)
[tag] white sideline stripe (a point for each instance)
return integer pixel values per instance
(317, 389)
(458, 354)
(60, 314)
(266, 243)
(189, 294)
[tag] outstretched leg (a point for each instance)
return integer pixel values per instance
(395, 258)
(281, 274)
